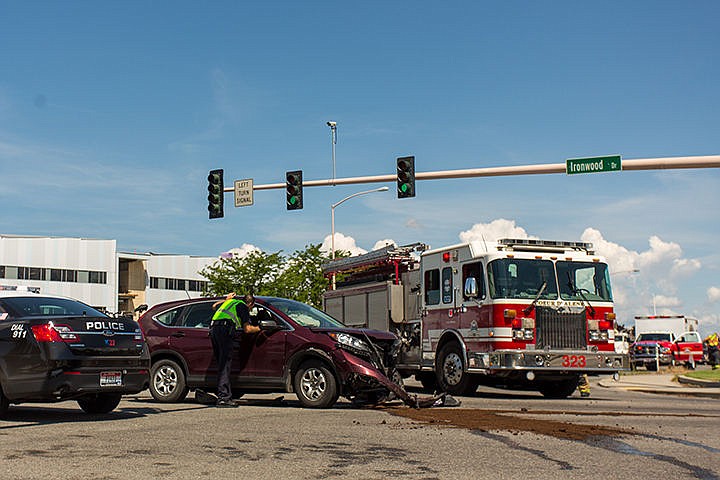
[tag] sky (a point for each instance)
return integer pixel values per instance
(112, 114)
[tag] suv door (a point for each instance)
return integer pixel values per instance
(190, 337)
(265, 358)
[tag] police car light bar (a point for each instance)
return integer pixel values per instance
(19, 288)
(529, 242)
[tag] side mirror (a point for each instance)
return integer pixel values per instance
(471, 287)
(269, 325)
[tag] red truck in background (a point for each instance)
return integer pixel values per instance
(665, 340)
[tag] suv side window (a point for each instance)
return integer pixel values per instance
(170, 317)
(197, 315)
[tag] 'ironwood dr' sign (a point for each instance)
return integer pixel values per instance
(593, 164)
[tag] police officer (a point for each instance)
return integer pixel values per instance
(713, 352)
(231, 314)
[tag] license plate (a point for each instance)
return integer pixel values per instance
(110, 379)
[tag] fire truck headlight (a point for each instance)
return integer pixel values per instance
(594, 335)
(528, 334)
(518, 334)
(603, 335)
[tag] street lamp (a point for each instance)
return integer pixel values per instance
(333, 139)
(332, 221)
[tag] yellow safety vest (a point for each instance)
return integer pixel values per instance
(228, 311)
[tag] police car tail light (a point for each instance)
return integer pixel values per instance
(49, 332)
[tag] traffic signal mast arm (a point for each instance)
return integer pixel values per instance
(709, 161)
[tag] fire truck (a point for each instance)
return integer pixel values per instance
(517, 313)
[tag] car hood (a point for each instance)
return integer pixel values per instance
(359, 332)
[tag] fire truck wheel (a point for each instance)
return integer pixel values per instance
(451, 375)
(559, 389)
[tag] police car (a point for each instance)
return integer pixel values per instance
(54, 349)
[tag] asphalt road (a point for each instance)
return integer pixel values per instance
(494, 434)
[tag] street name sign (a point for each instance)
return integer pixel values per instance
(610, 163)
(244, 192)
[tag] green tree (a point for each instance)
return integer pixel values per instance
(257, 273)
(302, 278)
(298, 276)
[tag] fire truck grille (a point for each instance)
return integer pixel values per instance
(560, 330)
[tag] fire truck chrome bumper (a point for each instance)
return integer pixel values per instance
(558, 360)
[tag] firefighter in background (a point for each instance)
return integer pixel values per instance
(584, 385)
(713, 353)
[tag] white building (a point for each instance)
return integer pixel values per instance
(94, 272)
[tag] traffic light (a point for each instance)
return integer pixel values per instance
(406, 177)
(215, 193)
(294, 187)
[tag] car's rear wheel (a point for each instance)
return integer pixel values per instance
(100, 403)
(315, 385)
(167, 382)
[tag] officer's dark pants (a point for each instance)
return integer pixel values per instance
(714, 355)
(221, 336)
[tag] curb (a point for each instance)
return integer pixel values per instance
(697, 382)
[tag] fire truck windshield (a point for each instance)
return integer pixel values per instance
(519, 278)
(584, 279)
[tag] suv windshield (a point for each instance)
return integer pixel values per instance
(303, 314)
(584, 278)
(46, 306)
(653, 337)
(517, 278)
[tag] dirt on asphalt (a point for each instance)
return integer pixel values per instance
(510, 421)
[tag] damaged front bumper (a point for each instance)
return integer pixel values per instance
(361, 376)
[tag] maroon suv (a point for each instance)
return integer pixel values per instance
(300, 349)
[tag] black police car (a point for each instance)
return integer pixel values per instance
(54, 349)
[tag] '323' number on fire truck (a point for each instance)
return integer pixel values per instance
(574, 361)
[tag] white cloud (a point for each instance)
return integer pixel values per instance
(241, 252)
(664, 302)
(384, 243)
(343, 243)
(713, 294)
(685, 266)
(412, 223)
(499, 228)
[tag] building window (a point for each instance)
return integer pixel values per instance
(31, 273)
(97, 277)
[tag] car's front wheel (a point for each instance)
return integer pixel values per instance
(167, 382)
(315, 385)
(100, 403)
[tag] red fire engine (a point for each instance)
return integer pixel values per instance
(518, 313)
